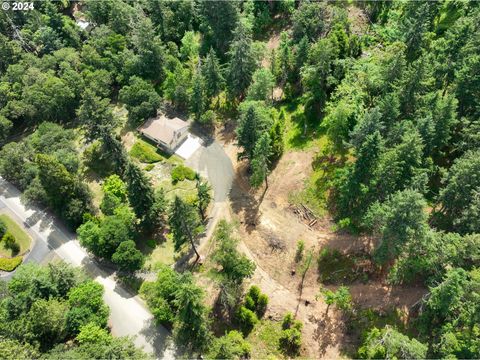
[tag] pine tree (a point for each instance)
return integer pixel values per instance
(212, 73)
(184, 224)
(198, 98)
(247, 132)
(203, 197)
(140, 191)
(95, 115)
(242, 63)
(260, 161)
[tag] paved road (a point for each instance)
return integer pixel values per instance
(128, 314)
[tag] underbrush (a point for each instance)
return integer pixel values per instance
(337, 268)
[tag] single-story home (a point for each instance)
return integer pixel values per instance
(167, 133)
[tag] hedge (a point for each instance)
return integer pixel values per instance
(10, 264)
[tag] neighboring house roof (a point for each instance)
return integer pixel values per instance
(162, 128)
(83, 24)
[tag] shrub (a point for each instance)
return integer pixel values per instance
(290, 341)
(291, 337)
(256, 301)
(208, 118)
(262, 304)
(287, 321)
(162, 312)
(181, 172)
(145, 152)
(230, 346)
(151, 243)
(10, 264)
(299, 252)
(254, 292)
(249, 303)
(149, 167)
(247, 319)
(10, 242)
(3, 228)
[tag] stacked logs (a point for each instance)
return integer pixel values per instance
(305, 214)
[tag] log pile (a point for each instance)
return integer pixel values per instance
(305, 214)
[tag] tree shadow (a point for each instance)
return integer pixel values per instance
(243, 202)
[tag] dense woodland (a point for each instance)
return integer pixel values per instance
(398, 101)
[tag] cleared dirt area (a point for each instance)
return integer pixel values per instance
(270, 231)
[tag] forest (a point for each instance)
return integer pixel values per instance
(384, 96)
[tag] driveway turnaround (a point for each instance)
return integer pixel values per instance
(189, 146)
(128, 314)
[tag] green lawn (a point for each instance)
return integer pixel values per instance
(21, 237)
(296, 137)
(162, 254)
(145, 152)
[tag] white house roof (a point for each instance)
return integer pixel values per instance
(162, 128)
(83, 24)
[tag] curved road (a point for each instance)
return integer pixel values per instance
(128, 314)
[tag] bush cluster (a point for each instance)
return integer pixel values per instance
(253, 308)
(291, 337)
(181, 172)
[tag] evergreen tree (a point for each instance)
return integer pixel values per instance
(212, 73)
(184, 224)
(242, 63)
(191, 322)
(95, 115)
(260, 161)
(203, 197)
(140, 192)
(198, 97)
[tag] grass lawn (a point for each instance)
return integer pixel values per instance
(145, 152)
(185, 189)
(162, 254)
(295, 139)
(21, 237)
(264, 340)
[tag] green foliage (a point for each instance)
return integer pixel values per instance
(389, 343)
(246, 319)
(299, 250)
(191, 322)
(141, 100)
(141, 195)
(10, 264)
(184, 223)
(145, 152)
(341, 298)
(400, 219)
(460, 198)
(335, 267)
(127, 257)
(3, 228)
(182, 172)
(10, 242)
(261, 160)
(290, 340)
(95, 115)
(235, 266)
(254, 121)
(230, 346)
(212, 73)
(242, 62)
(203, 197)
(261, 88)
(309, 20)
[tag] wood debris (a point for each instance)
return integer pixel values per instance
(305, 214)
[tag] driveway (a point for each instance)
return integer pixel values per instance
(191, 144)
(211, 161)
(128, 314)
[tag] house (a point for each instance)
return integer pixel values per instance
(84, 25)
(167, 133)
